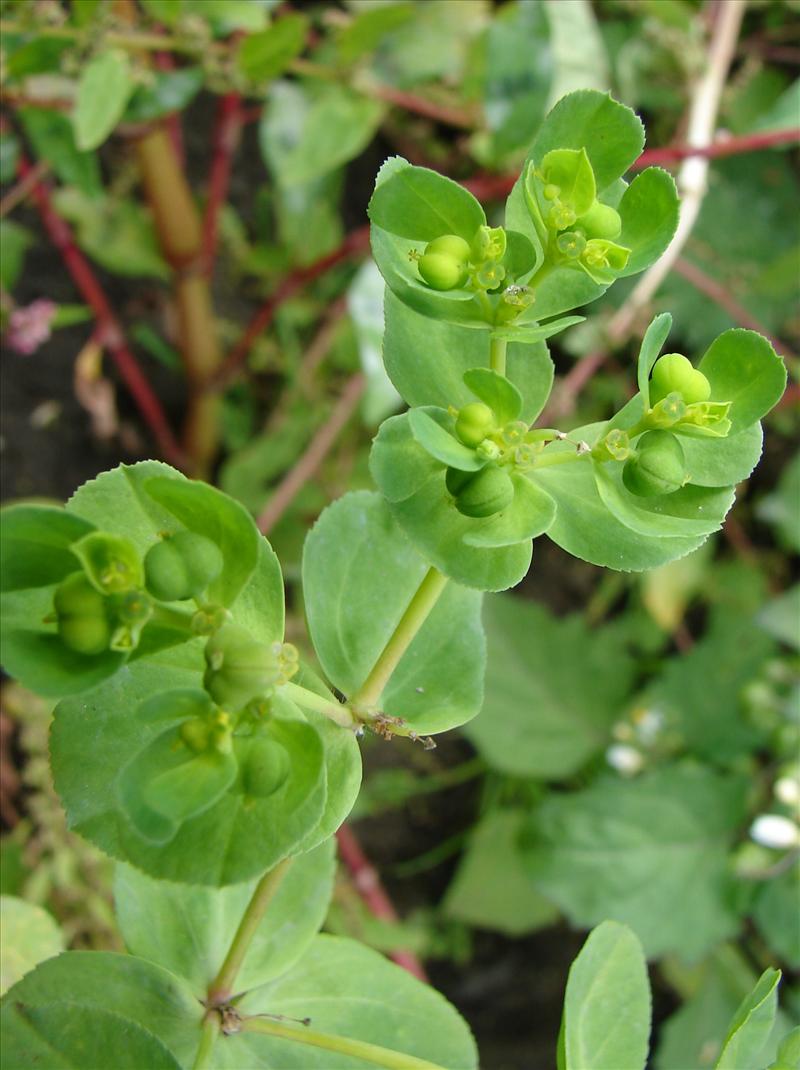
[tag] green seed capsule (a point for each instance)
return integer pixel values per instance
(450, 245)
(601, 221)
(442, 272)
(657, 468)
(82, 614)
(488, 492)
(674, 373)
(266, 768)
(181, 566)
(474, 422)
(239, 668)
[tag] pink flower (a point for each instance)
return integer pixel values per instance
(29, 326)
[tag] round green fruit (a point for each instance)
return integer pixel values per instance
(266, 768)
(450, 245)
(658, 467)
(442, 272)
(673, 373)
(82, 615)
(474, 422)
(487, 493)
(181, 566)
(601, 221)
(239, 667)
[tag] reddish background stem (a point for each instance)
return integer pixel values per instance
(110, 332)
(368, 884)
(226, 139)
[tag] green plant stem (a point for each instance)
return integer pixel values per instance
(357, 1049)
(176, 619)
(558, 458)
(497, 355)
(208, 1037)
(310, 700)
(221, 987)
(425, 598)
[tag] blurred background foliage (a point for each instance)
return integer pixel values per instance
(637, 730)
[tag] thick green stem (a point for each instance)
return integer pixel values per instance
(310, 700)
(221, 988)
(419, 607)
(208, 1037)
(357, 1049)
(497, 355)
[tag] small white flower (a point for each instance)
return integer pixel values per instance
(787, 790)
(773, 830)
(627, 761)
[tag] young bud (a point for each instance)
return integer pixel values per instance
(489, 243)
(486, 493)
(615, 446)
(490, 275)
(111, 562)
(571, 244)
(82, 615)
(561, 216)
(674, 373)
(474, 423)
(658, 467)
(181, 566)
(239, 667)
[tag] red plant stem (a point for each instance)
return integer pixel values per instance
(226, 138)
(22, 190)
(728, 146)
(110, 331)
(316, 452)
(355, 244)
(488, 187)
(721, 296)
(368, 884)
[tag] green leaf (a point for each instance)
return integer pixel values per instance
(744, 369)
(440, 443)
(491, 888)
(331, 124)
(540, 718)
(188, 929)
(686, 513)
(414, 485)
(31, 935)
(14, 241)
(351, 991)
(530, 513)
(427, 360)
(118, 234)
(649, 211)
(779, 507)
(62, 1036)
(776, 917)
(35, 545)
(52, 136)
(368, 27)
(209, 512)
(529, 333)
(365, 306)
(420, 204)
(653, 342)
(496, 391)
(264, 55)
(751, 1025)
(438, 683)
(611, 134)
(129, 997)
(712, 720)
(607, 1004)
(168, 92)
(104, 87)
(788, 1057)
(585, 528)
(570, 170)
(651, 853)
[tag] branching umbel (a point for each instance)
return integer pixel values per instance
(190, 741)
